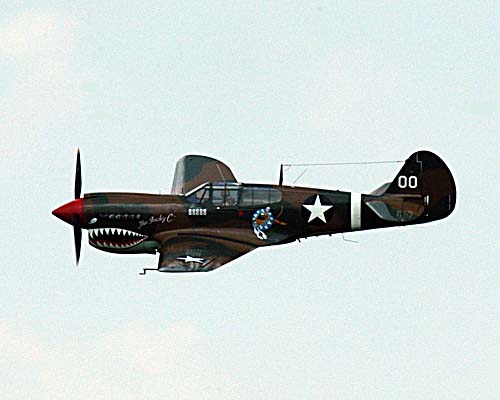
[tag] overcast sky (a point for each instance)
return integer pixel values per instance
(410, 313)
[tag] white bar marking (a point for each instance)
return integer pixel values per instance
(355, 211)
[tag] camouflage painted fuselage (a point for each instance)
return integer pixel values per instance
(158, 218)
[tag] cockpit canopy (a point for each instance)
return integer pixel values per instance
(232, 194)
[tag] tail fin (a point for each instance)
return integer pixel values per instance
(423, 189)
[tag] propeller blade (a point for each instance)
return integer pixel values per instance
(78, 176)
(78, 242)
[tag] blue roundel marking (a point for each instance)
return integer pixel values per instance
(263, 219)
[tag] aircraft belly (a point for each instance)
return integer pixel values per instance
(243, 235)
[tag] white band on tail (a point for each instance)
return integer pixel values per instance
(355, 211)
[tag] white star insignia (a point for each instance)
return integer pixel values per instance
(317, 210)
(188, 259)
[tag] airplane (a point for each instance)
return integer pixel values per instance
(210, 218)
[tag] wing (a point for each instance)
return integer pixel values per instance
(192, 171)
(198, 254)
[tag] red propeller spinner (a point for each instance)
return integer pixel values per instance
(71, 212)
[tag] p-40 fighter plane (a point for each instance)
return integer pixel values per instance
(211, 219)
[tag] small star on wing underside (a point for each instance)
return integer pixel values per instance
(188, 259)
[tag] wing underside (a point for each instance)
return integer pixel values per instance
(194, 170)
(198, 254)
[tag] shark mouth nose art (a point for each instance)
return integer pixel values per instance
(114, 238)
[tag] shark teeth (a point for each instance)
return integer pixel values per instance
(114, 238)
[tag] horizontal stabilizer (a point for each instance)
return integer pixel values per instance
(396, 208)
(381, 190)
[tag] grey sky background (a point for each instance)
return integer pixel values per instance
(407, 313)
